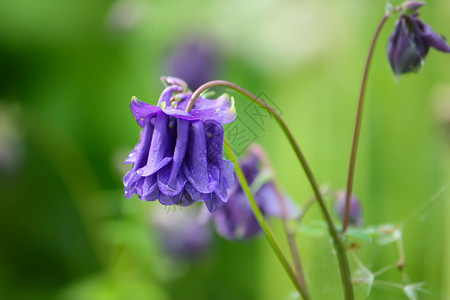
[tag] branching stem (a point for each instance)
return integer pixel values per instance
(337, 241)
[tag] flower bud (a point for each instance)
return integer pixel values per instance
(409, 44)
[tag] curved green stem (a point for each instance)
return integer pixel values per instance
(340, 251)
(351, 167)
(259, 217)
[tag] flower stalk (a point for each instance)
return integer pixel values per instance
(359, 111)
(337, 241)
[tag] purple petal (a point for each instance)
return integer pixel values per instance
(431, 38)
(151, 197)
(195, 195)
(148, 186)
(139, 154)
(214, 203)
(404, 52)
(140, 151)
(203, 176)
(142, 110)
(167, 93)
(214, 143)
(169, 200)
(221, 110)
(214, 147)
(159, 147)
(186, 200)
(129, 190)
(179, 113)
(171, 178)
(227, 173)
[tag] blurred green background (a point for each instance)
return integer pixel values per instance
(67, 72)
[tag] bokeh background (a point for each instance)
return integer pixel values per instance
(67, 72)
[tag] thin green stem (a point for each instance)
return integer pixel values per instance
(259, 217)
(290, 234)
(359, 111)
(337, 242)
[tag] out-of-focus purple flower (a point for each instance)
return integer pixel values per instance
(235, 219)
(194, 59)
(182, 235)
(355, 212)
(178, 159)
(410, 41)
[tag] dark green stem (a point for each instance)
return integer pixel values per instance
(340, 251)
(351, 167)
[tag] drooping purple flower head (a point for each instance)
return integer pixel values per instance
(235, 219)
(410, 41)
(178, 159)
(355, 212)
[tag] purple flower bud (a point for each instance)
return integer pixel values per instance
(409, 44)
(410, 7)
(178, 159)
(182, 235)
(235, 219)
(194, 59)
(355, 212)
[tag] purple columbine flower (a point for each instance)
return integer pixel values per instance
(355, 212)
(410, 41)
(235, 219)
(178, 159)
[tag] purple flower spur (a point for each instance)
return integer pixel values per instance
(410, 41)
(178, 159)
